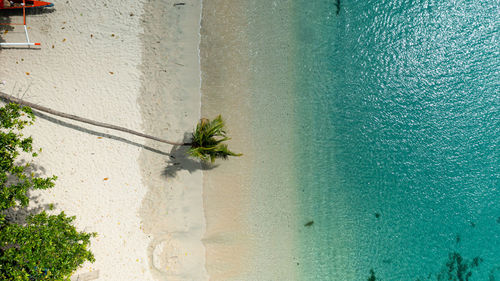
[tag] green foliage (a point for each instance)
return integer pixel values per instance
(14, 182)
(207, 141)
(46, 248)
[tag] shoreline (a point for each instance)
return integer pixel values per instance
(250, 201)
(140, 70)
(172, 211)
(228, 243)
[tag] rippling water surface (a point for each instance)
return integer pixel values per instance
(399, 133)
(377, 121)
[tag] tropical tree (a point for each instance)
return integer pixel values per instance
(14, 180)
(43, 247)
(47, 247)
(207, 141)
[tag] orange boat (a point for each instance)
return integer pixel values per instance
(18, 4)
(21, 4)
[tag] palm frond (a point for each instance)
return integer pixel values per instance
(207, 140)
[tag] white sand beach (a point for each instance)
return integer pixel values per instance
(133, 64)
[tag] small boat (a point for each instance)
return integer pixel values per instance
(19, 4)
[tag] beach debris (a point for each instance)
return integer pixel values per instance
(5, 32)
(27, 73)
(64, 40)
(106, 179)
(53, 46)
(111, 72)
(309, 223)
(91, 35)
(179, 4)
(131, 14)
(112, 35)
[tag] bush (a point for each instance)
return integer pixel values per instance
(14, 182)
(45, 247)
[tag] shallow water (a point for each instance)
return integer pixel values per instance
(379, 123)
(399, 107)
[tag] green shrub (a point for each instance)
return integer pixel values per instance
(14, 182)
(45, 247)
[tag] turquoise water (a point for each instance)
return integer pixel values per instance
(378, 124)
(397, 134)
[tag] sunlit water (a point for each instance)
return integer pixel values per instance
(387, 113)
(399, 126)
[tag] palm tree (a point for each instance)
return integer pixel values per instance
(207, 141)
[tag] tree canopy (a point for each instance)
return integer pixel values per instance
(47, 247)
(207, 141)
(14, 181)
(44, 247)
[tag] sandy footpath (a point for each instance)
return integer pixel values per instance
(132, 64)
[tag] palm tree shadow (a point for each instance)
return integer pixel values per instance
(96, 133)
(179, 160)
(91, 132)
